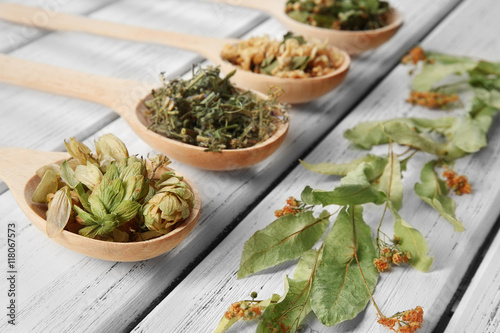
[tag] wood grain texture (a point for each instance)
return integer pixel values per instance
(81, 294)
(14, 36)
(478, 310)
(204, 295)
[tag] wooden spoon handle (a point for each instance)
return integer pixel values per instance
(206, 46)
(18, 165)
(103, 90)
(273, 7)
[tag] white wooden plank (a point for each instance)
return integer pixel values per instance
(202, 297)
(478, 310)
(225, 196)
(41, 121)
(14, 36)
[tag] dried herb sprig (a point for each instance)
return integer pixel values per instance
(336, 281)
(210, 112)
(339, 14)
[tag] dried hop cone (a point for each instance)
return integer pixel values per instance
(116, 199)
(171, 204)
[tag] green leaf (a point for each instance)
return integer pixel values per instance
(47, 185)
(306, 265)
(126, 210)
(97, 207)
(285, 239)
(390, 182)
(86, 218)
(412, 241)
(403, 134)
(432, 73)
(366, 135)
(299, 63)
(487, 67)
(83, 197)
(376, 163)
(289, 312)
(468, 134)
(339, 292)
(434, 192)
(355, 189)
(490, 98)
(68, 175)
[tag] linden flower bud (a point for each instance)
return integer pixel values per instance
(79, 151)
(109, 148)
(89, 175)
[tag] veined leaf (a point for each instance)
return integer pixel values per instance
(412, 241)
(376, 163)
(338, 291)
(285, 239)
(468, 134)
(289, 312)
(432, 73)
(306, 265)
(367, 134)
(355, 189)
(490, 98)
(390, 182)
(403, 134)
(434, 192)
(68, 175)
(59, 212)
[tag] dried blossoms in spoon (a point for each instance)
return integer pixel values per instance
(112, 196)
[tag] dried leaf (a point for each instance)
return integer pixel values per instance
(59, 212)
(390, 182)
(376, 163)
(434, 192)
(68, 175)
(285, 239)
(290, 312)
(47, 185)
(355, 189)
(339, 292)
(411, 240)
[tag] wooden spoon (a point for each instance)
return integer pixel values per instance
(17, 169)
(353, 42)
(126, 98)
(296, 90)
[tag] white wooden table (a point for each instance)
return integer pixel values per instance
(188, 289)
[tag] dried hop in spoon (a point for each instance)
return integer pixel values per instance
(110, 195)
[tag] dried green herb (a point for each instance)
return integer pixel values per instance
(112, 196)
(339, 14)
(210, 112)
(343, 272)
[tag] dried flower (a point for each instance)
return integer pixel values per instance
(404, 322)
(172, 203)
(414, 56)
(292, 207)
(432, 100)
(80, 152)
(109, 148)
(459, 184)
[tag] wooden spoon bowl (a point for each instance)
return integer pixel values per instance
(121, 96)
(353, 42)
(17, 169)
(295, 90)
